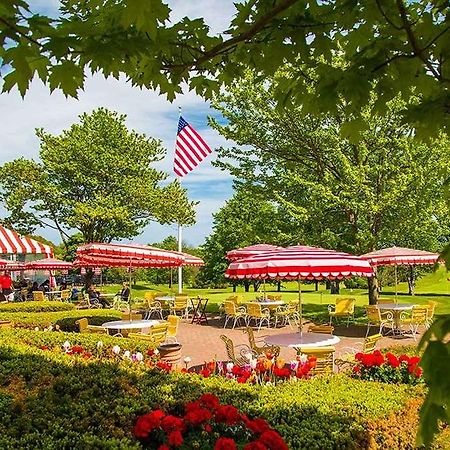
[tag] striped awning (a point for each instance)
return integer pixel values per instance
(399, 256)
(191, 260)
(13, 243)
(48, 264)
(251, 250)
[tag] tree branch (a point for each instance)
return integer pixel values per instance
(19, 32)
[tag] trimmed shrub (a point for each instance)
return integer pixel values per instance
(36, 307)
(49, 399)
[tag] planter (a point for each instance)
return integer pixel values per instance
(170, 353)
(6, 324)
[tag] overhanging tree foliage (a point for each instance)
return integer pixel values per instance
(382, 190)
(391, 45)
(97, 178)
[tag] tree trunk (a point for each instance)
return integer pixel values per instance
(317, 285)
(327, 284)
(373, 290)
(411, 280)
(278, 286)
(88, 278)
(234, 287)
(334, 287)
(246, 285)
(256, 285)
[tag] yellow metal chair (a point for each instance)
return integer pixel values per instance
(257, 350)
(287, 314)
(157, 334)
(419, 316)
(65, 295)
(325, 329)
(132, 316)
(24, 294)
(258, 314)
(325, 359)
(153, 306)
(374, 318)
(173, 322)
(367, 346)
(234, 313)
(181, 305)
(38, 296)
(274, 297)
(244, 351)
(385, 301)
(84, 327)
(431, 310)
(344, 308)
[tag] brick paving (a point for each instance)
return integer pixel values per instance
(202, 342)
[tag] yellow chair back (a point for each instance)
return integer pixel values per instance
(82, 325)
(230, 308)
(325, 359)
(181, 301)
(255, 310)
(384, 301)
(157, 334)
(370, 342)
(431, 308)
(173, 322)
(373, 313)
(419, 314)
(345, 306)
(326, 329)
(38, 296)
(150, 296)
(274, 297)
(65, 294)
(133, 316)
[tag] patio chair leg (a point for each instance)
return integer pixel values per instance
(226, 321)
(368, 329)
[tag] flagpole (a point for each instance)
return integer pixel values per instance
(180, 237)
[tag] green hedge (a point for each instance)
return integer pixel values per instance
(51, 400)
(65, 319)
(36, 307)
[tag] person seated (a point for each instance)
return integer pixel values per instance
(125, 292)
(63, 286)
(34, 287)
(74, 294)
(45, 286)
(96, 297)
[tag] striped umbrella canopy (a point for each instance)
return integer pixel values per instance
(13, 243)
(300, 263)
(48, 264)
(399, 256)
(191, 260)
(251, 250)
(125, 255)
(12, 266)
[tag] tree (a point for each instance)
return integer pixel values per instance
(244, 220)
(96, 178)
(382, 190)
(390, 45)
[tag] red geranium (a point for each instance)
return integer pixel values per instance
(209, 401)
(227, 414)
(163, 447)
(175, 439)
(147, 423)
(44, 347)
(392, 360)
(164, 366)
(205, 372)
(418, 372)
(404, 358)
(208, 428)
(171, 423)
(257, 426)
(272, 440)
(282, 372)
(378, 358)
(198, 416)
(255, 445)
(224, 443)
(77, 349)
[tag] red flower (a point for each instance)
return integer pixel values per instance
(163, 447)
(367, 360)
(357, 369)
(241, 379)
(272, 440)
(359, 356)
(228, 414)
(192, 406)
(255, 445)
(198, 416)
(175, 439)
(404, 358)
(171, 423)
(205, 372)
(414, 360)
(392, 360)
(164, 366)
(257, 426)
(44, 347)
(150, 352)
(146, 423)
(282, 372)
(207, 428)
(224, 443)
(87, 355)
(77, 349)
(378, 358)
(236, 370)
(418, 372)
(209, 401)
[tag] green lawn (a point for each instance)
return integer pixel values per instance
(432, 286)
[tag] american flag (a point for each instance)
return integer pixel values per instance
(190, 149)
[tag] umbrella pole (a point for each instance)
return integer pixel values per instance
(264, 288)
(395, 272)
(300, 309)
(129, 297)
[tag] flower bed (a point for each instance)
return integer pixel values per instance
(49, 397)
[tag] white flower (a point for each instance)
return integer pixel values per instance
(126, 354)
(99, 344)
(156, 351)
(253, 363)
(36, 329)
(139, 356)
(293, 364)
(116, 349)
(187, 360)
(303, 358)
(50, 328)
(230, 366)
(66, 345)
(57, 327)
(248, 356)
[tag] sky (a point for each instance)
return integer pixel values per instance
(146, 113)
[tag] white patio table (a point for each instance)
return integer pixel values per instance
(304, 340)
(397, 309)
(143, 325)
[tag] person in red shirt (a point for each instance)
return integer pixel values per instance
(5, 285)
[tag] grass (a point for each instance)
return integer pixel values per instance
(433, 286)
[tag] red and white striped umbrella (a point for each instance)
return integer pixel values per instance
(125, 255)
(12, 266)
(399, 256)
(300, 263)
(13, 243)
(251, 250)
(48, 264)
(191, 260)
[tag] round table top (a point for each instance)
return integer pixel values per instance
(396, 306)
(129, 325)
(305, 340)
(165, 298)
(107, 295)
